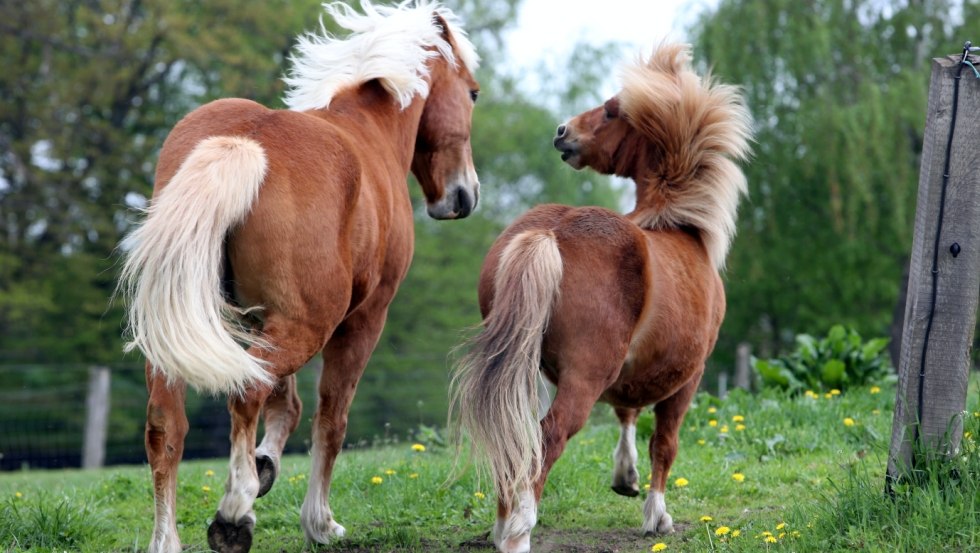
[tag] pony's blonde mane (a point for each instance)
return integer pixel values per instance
(698, 127)
(388, 43)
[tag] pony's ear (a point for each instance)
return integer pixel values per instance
(440, 22)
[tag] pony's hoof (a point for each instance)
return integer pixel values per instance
(626, 490)
(229, 537)
(266, 467)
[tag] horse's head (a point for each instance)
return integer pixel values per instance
(602, 139)
(443, 162)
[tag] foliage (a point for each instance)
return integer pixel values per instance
(788, 446)
(838, 90)
(839, 361)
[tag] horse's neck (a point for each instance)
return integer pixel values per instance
(380, 117)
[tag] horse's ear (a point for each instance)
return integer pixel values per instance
(443, 26)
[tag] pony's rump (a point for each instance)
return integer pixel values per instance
(178, 315)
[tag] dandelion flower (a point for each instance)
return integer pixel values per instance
(764, 534)
(723, 429)
(701, 441)
(706, 518)
(780, 526)
(209, 473)
(771, 539)
(848, 421)
(736, 533)
(738, 418)
(646, 487)
(418, 447)
(478, 495)
(811, 394)
(739, 427)
(967, 435)
(976, 414)
(722, 530)
(875, 390)
(835, 392)
(795, 533)
(828, 395)
(414, 475)
(18, 495)
(681, 482)
(206, 488)
(738, 477)
(377, 480)
(659, 546)
(390, 472)
(712, 410)
(712, 423)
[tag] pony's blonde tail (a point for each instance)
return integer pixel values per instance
(178, 315)
(493, 391)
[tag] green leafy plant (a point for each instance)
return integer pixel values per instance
(838, 361)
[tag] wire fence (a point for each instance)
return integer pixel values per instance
(43, 412)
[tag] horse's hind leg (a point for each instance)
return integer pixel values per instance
(663, 449)
(344, 359)
(625, 479)
(294, 342)
(166, 427)
(282, 411)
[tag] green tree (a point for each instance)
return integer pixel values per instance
(838, 90)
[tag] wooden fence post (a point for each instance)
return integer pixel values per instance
(96, 418)
(722, 385)
(743, 362)
(941, 304)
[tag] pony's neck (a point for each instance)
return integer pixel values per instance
(382, 117)
(651, 192)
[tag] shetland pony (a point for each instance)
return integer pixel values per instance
(612, 308)
(288, 233)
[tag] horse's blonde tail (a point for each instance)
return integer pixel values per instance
(493, 391)
(178, 315)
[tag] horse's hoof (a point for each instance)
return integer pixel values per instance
(228, 537)
(628, 491)
(268, 471)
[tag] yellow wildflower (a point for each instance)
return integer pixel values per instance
(739, 427)
(18, 495)
(811, 394)
(706, 518)
(770, 539)
(835, 392)
(659, 546)
(377, 480)
(646, 487)
(723, 429)
(875, 390)
(722, 530)
(206, 488)
(780, 526)
(827, 395)
(976, 414)
(413, 475)
(736, 533)
(738, 418)
(701, 441)
(848, 421)
(681, 482)
(390, 472)
(712, 410)
(209, 472)
(712, 423)
(418, 447)
(765, 533)
(478, 495)
(738, 477)
(781, 535)
(795, 533)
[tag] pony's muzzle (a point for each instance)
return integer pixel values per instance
(458, 203)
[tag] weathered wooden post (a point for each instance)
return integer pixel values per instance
(722, 385)
(944, 277)
(743, 361)
(96, 418)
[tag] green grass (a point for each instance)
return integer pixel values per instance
(802, 466)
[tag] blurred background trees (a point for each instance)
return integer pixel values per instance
(90, 88)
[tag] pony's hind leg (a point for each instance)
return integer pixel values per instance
(344, 358)
(281, 412)
(663, 449)
(166, 427)
(626, 480)
(294, 342)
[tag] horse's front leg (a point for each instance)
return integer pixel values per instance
(344, 358)
(626, 480)
(166, 427)
(663, 449)
(293, 343)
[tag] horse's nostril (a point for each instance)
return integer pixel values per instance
(463, 203)
(561, 131)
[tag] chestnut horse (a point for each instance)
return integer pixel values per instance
(612, 308)
(288, 232)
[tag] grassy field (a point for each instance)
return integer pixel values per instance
(773, 473)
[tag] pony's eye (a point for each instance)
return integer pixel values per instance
(474, 94)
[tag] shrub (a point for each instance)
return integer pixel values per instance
(840, 360)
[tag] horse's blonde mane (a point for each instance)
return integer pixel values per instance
(698, 127)
(388, 43)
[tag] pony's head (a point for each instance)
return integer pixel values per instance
(676, 135)
(443, 161)
(414, 50)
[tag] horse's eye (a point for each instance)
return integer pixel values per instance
(474, 94)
